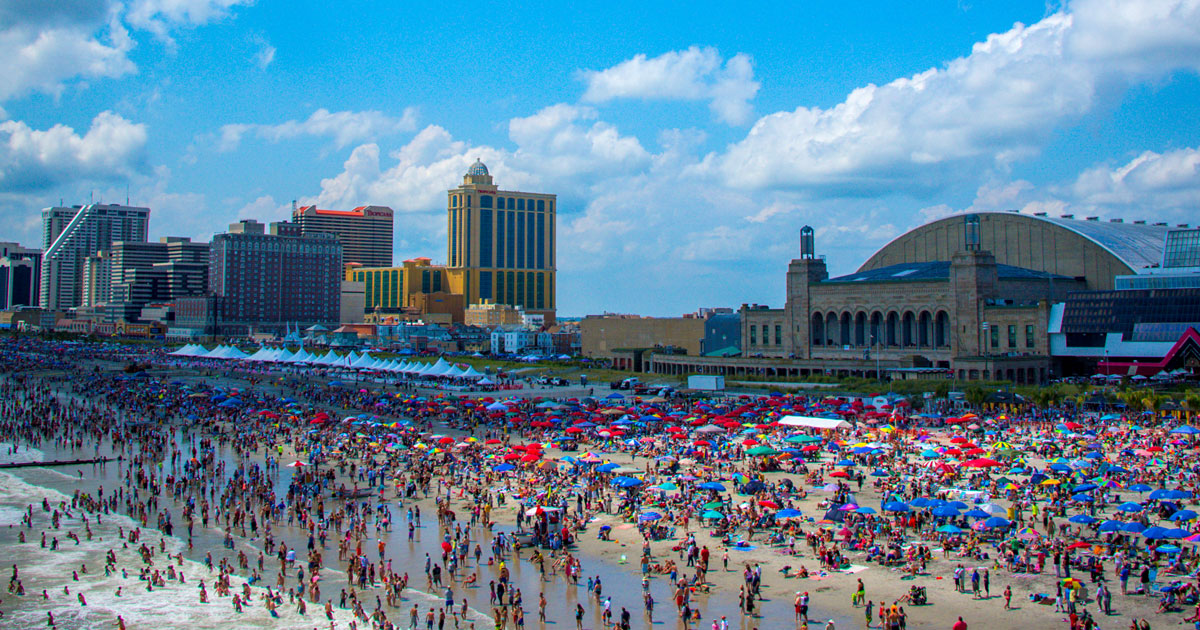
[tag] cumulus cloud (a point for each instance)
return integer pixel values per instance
(33, 159)
(44, 48)
(693, 74)
(344, 127)
(986, 110)
(561, 136)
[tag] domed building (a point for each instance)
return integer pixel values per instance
(502, 244)
(966, 296)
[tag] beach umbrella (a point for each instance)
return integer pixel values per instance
(977, 513)
(761, 451)
(1167, 549)
(626, 482)
(1082, 519)
(996, 522)
(945, 511)
(1130, 506)
(650, 516)
(865, 510)
(896, 506)
(788, 513)
(1111, 526)
(1183, 515)
(712, 485)
(1154, 533)
(712, 514)
(1139, 487)
(981, 462)
(1133, 528)
(949, 529)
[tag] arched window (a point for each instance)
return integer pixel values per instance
(860, 329)
(844, 336)
(941, 329)
(893, 329)
(908, 337)
(925, 329)
(818, 329)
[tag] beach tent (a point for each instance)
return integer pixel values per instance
(471, 372)
(364, 362)
(813, 422)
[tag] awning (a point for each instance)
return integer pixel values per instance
(814, 422)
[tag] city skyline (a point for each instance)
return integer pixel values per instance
(686, 152)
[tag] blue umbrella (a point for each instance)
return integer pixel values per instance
(788, 513)
(879, 472)
(949, 529)
(1083, 498)
(504, 468)
(896, 506)
(920, 502)
(996, 522)
(1130, 506)
(1167, 548)
(609, 467)
(712, 514)
(958, 505)
(1161, 493)
(626, 482)
(712, 485)
(1183, 515)
(1060, 467)
(1176, 533)
(1111, 526)
(1138, 487)
(1178, 494)
(1133, 528)
(945, 511)
(845, 462)
(1154, 533)
(650, 516)
(1082, 519)
(1186, 429)
(1087, 487)
(865, 510)
(977, 513)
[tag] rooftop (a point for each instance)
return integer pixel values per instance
(938, 270)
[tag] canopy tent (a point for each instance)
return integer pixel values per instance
(813, 422)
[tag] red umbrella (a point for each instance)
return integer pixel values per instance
(982, 462)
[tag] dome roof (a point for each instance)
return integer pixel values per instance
(478, 168)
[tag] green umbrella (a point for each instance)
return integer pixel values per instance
(712, 505)
(762, 450)
(712, 514)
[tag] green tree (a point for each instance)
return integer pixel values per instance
(976, 395)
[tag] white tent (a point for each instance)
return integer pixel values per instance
(284, 356)
(262, 354)
(453, 372)
(215, 353)
(813, 422)
(190, 350)
(302, 356)
(233, 352)
(471, 372)
(365, 362)
(329, 358)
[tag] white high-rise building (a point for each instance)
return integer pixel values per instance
(70, 235)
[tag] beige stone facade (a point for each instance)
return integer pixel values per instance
(608, 336)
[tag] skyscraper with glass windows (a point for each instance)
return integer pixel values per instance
(501, 244)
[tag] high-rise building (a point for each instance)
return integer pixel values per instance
(69, 235)
(21, 268)
(501, 244)
(267, 279)
(365, 232)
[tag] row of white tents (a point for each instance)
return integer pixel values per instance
(441, 368)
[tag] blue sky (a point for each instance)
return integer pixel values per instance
(687, 147)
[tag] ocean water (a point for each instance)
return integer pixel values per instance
(177, 605)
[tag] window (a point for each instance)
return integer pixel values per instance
(485, 238)
(520, 204)
(995, 330)
(521, 240)
(485, 201)
(541, 241)
(1012, 335)
(453, 201)
(778, 335)
(541, 290)
(541, 205)
(511, 203)
(454, 245)
(1028, 335)
(499, 239)
(510, 234)
(753, 335)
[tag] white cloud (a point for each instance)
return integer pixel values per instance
(160, 16)
(560, 137)
(344, 127)
(1167, 182)
(44, 57)
(692, 74)
(32, 159)
(983, 111)
(265, 56)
